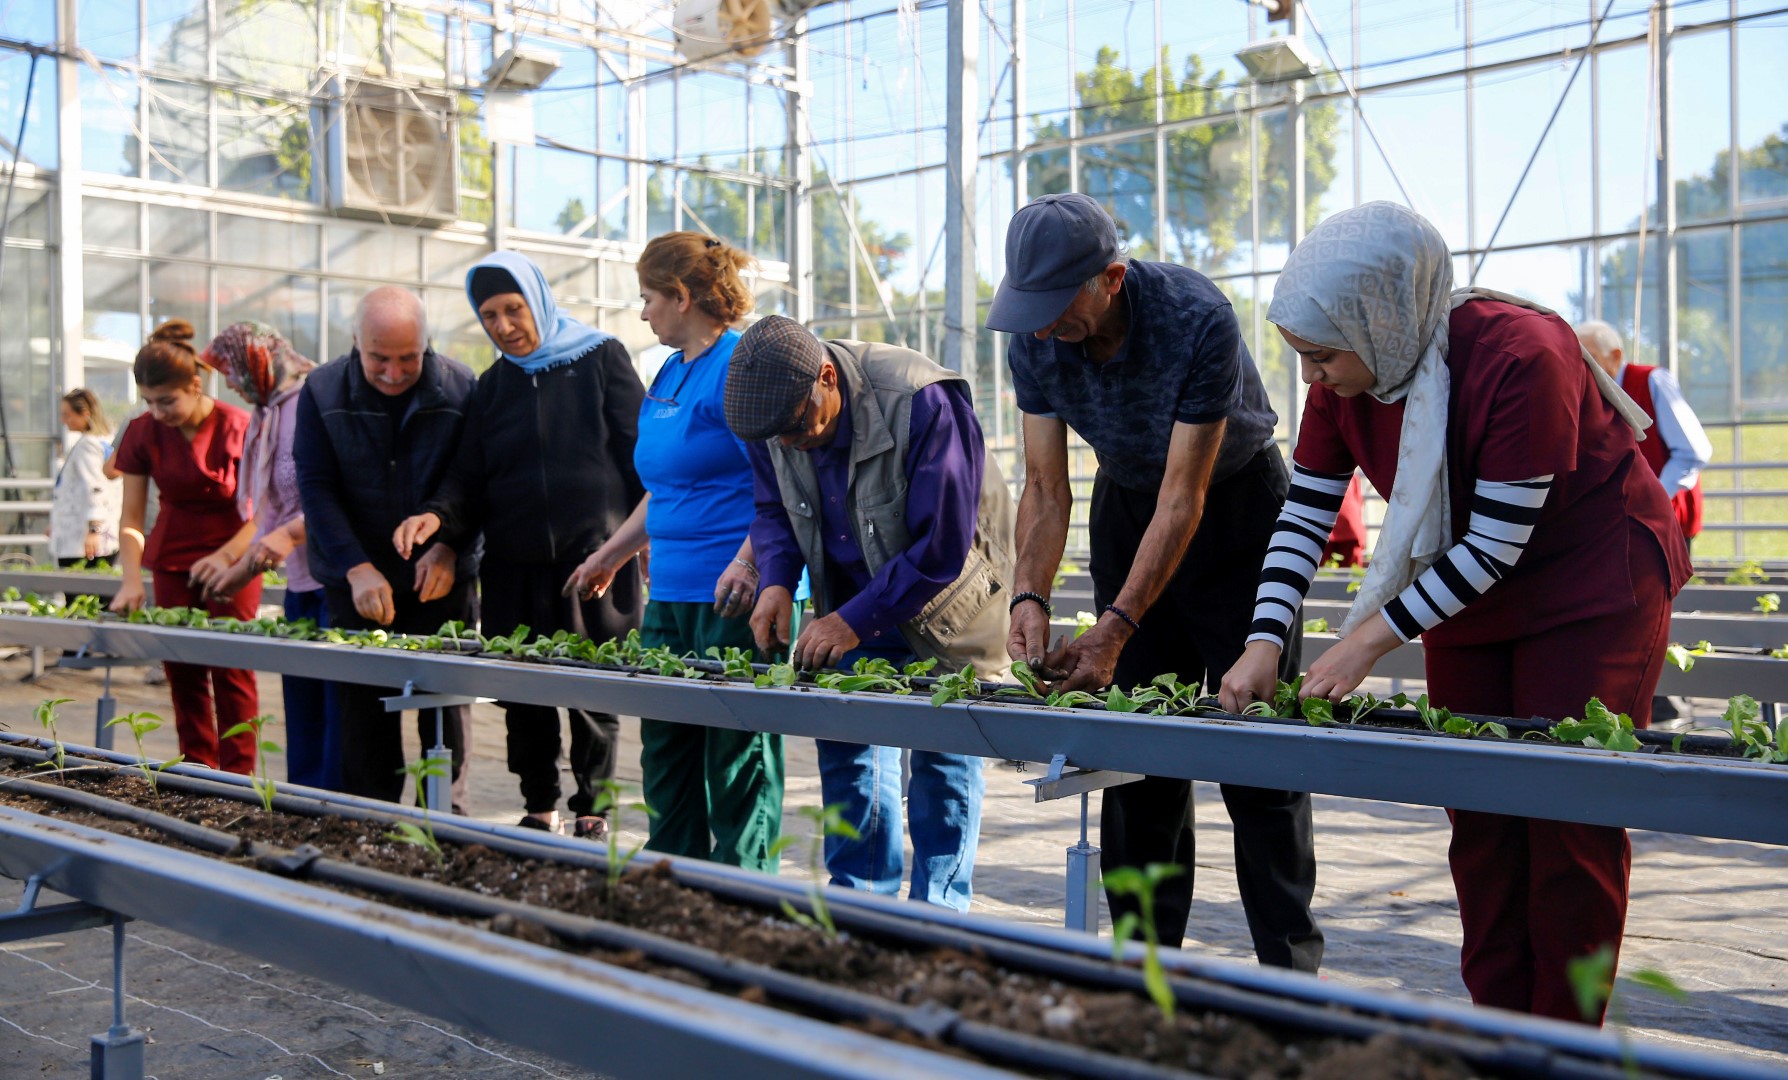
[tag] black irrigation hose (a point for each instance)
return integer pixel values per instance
(198, 836)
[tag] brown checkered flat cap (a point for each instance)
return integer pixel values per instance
(773, 370)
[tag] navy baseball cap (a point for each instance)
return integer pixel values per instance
(1054, 245)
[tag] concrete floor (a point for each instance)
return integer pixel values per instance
(1711, 914)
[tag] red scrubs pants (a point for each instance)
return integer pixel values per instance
(194, 687)
(1535, 894)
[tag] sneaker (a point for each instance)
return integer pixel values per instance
(591, 828)
(529, 821)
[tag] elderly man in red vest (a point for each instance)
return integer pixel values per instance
(1678, 449)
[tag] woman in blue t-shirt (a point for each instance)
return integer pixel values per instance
(716, 794)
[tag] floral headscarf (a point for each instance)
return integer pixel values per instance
(256, 359)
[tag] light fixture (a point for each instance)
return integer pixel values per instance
(1278, 59)
(520, 69)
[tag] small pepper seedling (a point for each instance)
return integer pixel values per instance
(608, 797)
(407, 832)
(262, 783)
(827, 821)
(141, 724)
(1142, 884)
(46, 717)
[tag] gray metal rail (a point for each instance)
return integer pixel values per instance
(1688, 627)
(71, 583)
(1667, 792)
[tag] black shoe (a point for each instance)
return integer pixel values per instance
(591, 828)
(529, 821)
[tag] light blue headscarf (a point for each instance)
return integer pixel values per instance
(562, 338)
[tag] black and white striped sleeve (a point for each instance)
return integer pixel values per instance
(1303, 531)
(1502, 521)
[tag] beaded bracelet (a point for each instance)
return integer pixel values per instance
(1037, 598)
(747, 566)
(1124, 615)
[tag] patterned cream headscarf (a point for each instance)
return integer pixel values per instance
(1377, 280)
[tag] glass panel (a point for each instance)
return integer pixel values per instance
(177, 34)
(1702, 137)
(175, 230)
(611, 112)
(1553, 28)
(572, 278)
(476, 164)
(264, 242)
(108, 122)
(1200, 42)
(1554, 202)
(1615, 296)
(381, 254)
(112, 302)
(1121, 176)
(1423, 131)
(30, 215)
(25, 348)
(1399, 41)
(1328, 160)
(719, 205)
(661, 201)
(711, 119)
(769, 238)
(1046, 173)
(29, 22)
(1623, 163)
(286, 302)
(1114, 66)
(1275, 150)
(448, 261)
(619, 281)
(454, 329)
(562, 114)
(1763, 315)
(106, 223)
(769, 130)
(1208, 198)
(1047, 87)
(661, 116)
(270, 43)
(15, 73)
(1559, 277)
(1704, 328)
(419, 45)
(555, 191)
(1762, 117)
(178, 127)
(263, 146)
(181, 291)
(613, 194)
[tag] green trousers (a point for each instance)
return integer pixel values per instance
(717, 794)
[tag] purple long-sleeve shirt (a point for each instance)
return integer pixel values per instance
(945, 460)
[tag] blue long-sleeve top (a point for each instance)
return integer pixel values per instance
(945, 461)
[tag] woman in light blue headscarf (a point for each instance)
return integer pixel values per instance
(545, 472)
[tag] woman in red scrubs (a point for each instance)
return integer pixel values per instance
(1524, 540)
(190, 445)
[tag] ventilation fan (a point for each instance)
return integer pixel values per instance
(395, 153)
(707, 28)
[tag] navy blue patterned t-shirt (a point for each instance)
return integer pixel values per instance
(1183, 361)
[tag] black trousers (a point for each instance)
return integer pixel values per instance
(372, 755)
(528, 594)
(1197, 630)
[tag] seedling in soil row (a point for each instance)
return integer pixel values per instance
(1129, 881)
(263, 784)
(141, 724)
(828, 821)
(406, 832)
(608, 798)
(1593, 983)
(46, 716)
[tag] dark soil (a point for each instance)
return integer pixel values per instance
(648, 899)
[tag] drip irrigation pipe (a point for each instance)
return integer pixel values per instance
(210, 841)
(1511, 1058)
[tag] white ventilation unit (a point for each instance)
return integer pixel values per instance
(709, 28)
(394, 152)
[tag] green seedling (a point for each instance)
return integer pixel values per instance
(263, 784)
(1749, 572)
(868, 673)
(1142, 884)
(408, 832)
(1366, 704)
(1318, 711)
(1684, 656)
(1285, 703)
(1316, 626)
(141, 724)
(827, 821)
(1600, 728)
(1084, 621)
(46, 718)
(1356, 578)
(1029, 683)
(1595, 988)
(1753, 734)
(784, 674)
(608, 797)
(956, 685)
(918, 669)
(734, 662)
(1769, 603)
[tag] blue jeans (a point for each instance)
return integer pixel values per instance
(943, 810)
(313, 713)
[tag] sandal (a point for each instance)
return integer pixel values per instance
(529, 821)
(591, 828)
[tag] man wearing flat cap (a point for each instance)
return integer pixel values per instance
(870, 471)
(1146, 363)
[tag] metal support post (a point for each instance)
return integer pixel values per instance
(118, 1054)
(437, 789)
(798, 156)
(1082, 909)
(107, 706)
(961, 154)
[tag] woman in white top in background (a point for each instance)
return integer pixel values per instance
(85, 505)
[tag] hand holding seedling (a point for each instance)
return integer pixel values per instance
(413, 532)
(1090, 660)
(372, 594)
(210, 572)
(129, 597)
(770, 618)
(592, 577)
(1338, 672)
(1028, 640)
(1253, 678)
(824, 642)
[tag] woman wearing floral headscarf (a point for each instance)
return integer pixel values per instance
(262, 366)
(545, 470)
(1522, 539)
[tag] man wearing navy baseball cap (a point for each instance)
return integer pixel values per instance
(1146, 363)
